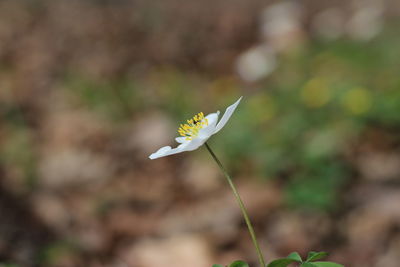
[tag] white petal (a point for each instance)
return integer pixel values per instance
(212, 118)
(180, 139)
(228, 113)
(186, 146)
(195, 143)
(166, 151)
(209, 130)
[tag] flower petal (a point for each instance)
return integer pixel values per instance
(166, 151)
(212, 118)
(186, 146)
(228, 113)
(180, 139)
(209, 130)
(195, 143)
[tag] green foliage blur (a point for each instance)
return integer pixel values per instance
(293, 258)
(311, 260)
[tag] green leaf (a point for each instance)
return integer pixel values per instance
(239, 264)
(281, 262)
(307, 264)
(294, 256)
(217, 265)
(326, 264)
(313, 256)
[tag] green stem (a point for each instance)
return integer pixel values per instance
(242, 207)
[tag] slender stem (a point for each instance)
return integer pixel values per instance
(242, 207)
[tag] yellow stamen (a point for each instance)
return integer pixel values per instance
(192, 127)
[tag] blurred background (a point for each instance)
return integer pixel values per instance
(88, 89)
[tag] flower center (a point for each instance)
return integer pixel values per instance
(191, 129)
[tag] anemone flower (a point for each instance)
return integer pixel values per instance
(197, 131)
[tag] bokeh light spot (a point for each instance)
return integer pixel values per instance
(357, 101)
(315, 93)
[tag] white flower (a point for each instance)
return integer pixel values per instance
(197, 131)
